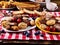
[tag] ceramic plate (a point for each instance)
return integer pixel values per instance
(28, 28)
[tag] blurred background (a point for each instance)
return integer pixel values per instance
(56, 1)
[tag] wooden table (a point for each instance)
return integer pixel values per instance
(33, 41)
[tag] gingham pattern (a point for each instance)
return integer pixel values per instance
(20, 36)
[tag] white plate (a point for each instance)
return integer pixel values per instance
(28, 28)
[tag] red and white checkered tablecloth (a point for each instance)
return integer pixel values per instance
(20, 36)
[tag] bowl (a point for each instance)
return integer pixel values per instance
(37, 22)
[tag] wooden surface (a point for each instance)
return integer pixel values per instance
(36, 42)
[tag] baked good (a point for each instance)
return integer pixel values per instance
(15, 28)
(7, 27)
(6, 4)
(5, 23)
(43, 26)
(28, 11)
(32, 22)
(27, 5)
(57, 26)
(22, 25)
(58, 18)
(51, 22)
(18, 12)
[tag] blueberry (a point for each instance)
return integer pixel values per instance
(37, 33)
(41, 35)
(28, 34)
(3, 31)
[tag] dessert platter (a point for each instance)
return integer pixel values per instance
(18, 21)
(49, 23)
(11, 25)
